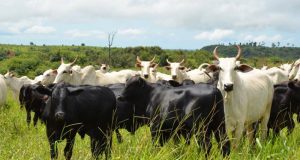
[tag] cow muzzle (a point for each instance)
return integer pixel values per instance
(59, 116)
(146, 76)
(174, 77)
(228, 87)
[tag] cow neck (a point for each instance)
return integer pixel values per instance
(145, 98)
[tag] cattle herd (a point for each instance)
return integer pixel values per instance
(224, 99)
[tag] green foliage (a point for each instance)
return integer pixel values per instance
(33, 60)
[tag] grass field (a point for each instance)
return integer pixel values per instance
(17, 141)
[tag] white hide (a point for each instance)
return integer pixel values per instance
(47, 77)
(114, 77)
(276, 75)
(145, 72)
(295, 71)
(75, 75)
(198, 75)
(3, 91)
(15, 83)
(250, 100)
(178, 72)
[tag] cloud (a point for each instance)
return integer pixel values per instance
(75, 33)
(263, 38)
(217, 34)
(40, 30)
(131, 32)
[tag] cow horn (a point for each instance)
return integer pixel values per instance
(138, 60)
(216, 53)
(168, 61)
(74, 61)
(238, 56)
(182, 61)
(152, 59)
(62, 60)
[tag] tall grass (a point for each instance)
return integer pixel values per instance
(17, 141)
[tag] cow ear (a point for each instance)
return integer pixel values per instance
(43, 90)
(182, 67)
(138, 65)
(54, 71)
(174, 83)
(153, 65)
(212, 68)
(73, 90)
(167, 67)
(244, 68)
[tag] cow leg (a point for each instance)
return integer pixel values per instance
(52, 139)
(223, 140)
(238, 132)
(35, 119)
(119, 136)
(28, 119)
(69, 146)
(264, 126)
(204, 141)
(250, 133)
(291, 125)
(101, 143)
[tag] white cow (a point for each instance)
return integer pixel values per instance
(15, 83)
(3, 91)
(277, 75)
(199, 75)
(158, 75)
(145, 69)
(47, 77)
(104, 68)
(178, 72)
(295, 73)
(286, 67)
(247, 95)
(114, 77)
(66, 72)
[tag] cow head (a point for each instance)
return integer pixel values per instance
(9, 75)
(64, 72)
(175, 68)
(295, 73)
(104, 68)
(145, 66)
(49, 76)
(59, 97)
(228, 68)
(133, 87)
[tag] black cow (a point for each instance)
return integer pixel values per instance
(33, 101)
(186, 110)
(125, 113)
(286, 102)
(79, 109)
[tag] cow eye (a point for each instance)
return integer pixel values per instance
(47, 75)
(236, 68)
(181, 68)
(65, 71)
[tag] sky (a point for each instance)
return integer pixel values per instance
(170, 24)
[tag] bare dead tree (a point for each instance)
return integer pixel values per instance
(111, 37)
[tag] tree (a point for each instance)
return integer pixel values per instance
(111, 37)
(82, 44)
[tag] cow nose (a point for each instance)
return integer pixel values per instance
(174, 77)
(228, 87)
(146, 75)
(104, 68)
(59, 116)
